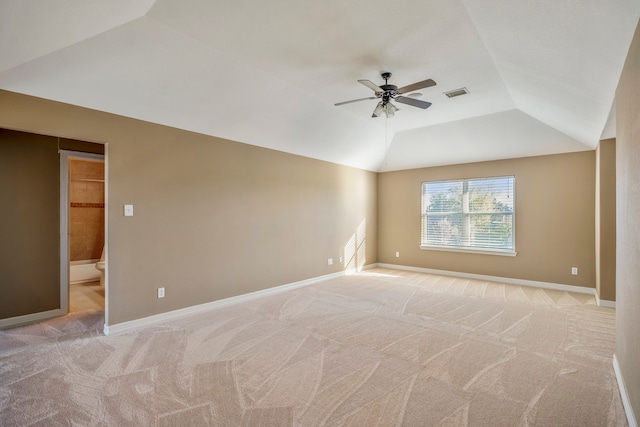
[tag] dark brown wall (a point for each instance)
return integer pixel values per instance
(82, 146)
(29, 223)
(30, 220)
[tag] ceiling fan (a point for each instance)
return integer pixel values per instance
(388, 92)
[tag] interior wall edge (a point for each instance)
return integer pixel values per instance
(626, 403)
(627, 158)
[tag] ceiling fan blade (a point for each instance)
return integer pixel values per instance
(355, 100)
(416, 86)
(371, 85)
(413, 102)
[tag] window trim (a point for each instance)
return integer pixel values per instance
(467, 249)
(479, 251)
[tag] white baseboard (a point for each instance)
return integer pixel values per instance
(521, 282)
(126, 326)
(26, 319)
(628, 410)
(119, 328)
(604, 302)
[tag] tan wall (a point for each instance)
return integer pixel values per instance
(606, 220)
(213, 218)
(555, 198)
(628, 223)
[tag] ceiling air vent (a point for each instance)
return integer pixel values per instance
(457, 92)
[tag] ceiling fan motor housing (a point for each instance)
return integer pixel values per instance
(390, 91)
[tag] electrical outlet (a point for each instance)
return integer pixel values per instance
(160, 292)
(330, 261)
(574, 271)
(397, 254)
(128, 210)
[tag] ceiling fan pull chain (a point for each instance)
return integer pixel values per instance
(386, 142)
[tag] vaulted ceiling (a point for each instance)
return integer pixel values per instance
(541, 74)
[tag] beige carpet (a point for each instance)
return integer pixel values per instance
(380, 348)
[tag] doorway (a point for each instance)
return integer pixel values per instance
(82, 231)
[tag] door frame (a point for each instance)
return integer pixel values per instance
(65, 156)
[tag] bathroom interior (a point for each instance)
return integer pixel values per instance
(86, 234)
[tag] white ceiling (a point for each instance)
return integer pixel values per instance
(541, 74)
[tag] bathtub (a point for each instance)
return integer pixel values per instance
(83, 271)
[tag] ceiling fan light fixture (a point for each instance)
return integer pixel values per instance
(379, 110)
(390, 109)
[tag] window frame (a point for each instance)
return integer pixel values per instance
(465, 248)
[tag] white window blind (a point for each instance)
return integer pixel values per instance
(469, 214)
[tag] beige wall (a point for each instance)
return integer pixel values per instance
(606, 220)
(213, 218)
(555, 198)
(628, 224)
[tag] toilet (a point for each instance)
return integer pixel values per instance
(100, 266)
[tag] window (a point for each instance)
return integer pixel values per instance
(469, 215)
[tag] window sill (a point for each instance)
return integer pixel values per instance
(469, 251)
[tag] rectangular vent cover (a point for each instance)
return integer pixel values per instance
(457, 92)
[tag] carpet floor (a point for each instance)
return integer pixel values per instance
(377, 348)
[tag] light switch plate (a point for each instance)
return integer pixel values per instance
(128, 210)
